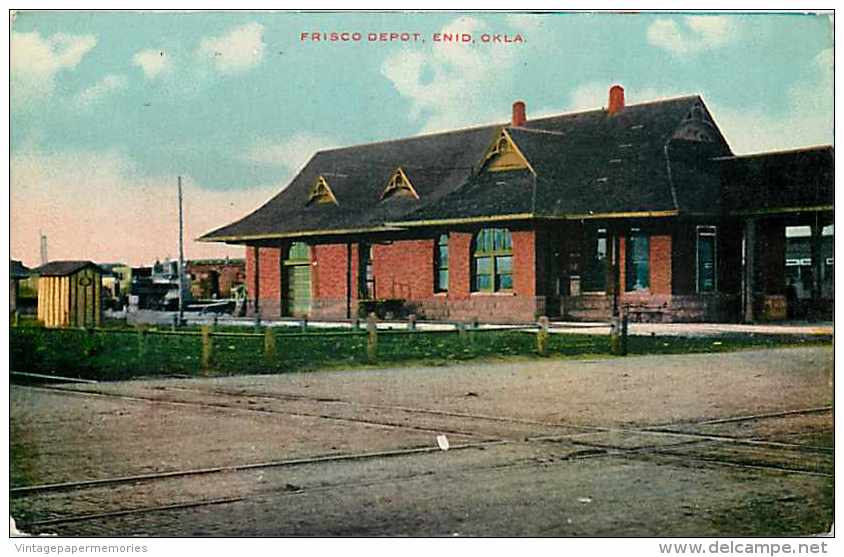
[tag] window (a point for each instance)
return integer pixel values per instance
(594, 277)
(321, 193)
(441, 264)
(504, 155)
(299, 251)
(492, 260)
(399, 185)
(637, 272)
(706, 261)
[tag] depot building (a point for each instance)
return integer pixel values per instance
(641, 207)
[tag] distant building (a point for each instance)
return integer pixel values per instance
(117, 278)
(156, 287)
(215, 278)
(70, 294)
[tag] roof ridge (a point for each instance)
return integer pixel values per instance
(497, 125)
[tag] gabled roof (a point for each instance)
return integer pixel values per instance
(64, 268)
(436, 165)
(585, 163)
(590, 164)
(785, 181)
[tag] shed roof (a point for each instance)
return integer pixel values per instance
(584, 163)
(781, 182)
(64, 268)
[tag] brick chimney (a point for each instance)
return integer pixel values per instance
(616, 103)
(519, 114)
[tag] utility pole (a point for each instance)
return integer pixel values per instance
(44, 258)
(181, 258)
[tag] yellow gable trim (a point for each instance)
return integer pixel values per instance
(399, 183)
(321, 192)
(504, 154)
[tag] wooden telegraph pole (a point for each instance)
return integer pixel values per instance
(181, 257)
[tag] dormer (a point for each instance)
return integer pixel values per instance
(503, 155)
(399, 185)
(321, 192)
(697, 125)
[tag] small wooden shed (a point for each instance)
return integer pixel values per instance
(70, 294)
(17, 272)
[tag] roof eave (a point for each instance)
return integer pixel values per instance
(463, 220)
(241, 238)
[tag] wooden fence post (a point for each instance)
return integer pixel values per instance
(269, 346)
(372, 338)
(142, 333)
(542, 337)
(305, 325)
(618, 333)
(623, 331)
(207, 348)
(461, 332)
(411, 322)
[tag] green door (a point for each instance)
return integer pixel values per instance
(297, 280)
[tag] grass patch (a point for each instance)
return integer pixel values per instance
(122, 354)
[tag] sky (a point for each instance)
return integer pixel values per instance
(108, 108)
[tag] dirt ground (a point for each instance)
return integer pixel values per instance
(697, 445)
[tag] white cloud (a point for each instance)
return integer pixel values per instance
(291, 153)
(697, 34)
(595, 95)
(154, 62)
(35, 60)
(96, 205)
(101, 89)
(453, 84)
(808, 120)
(239, 50)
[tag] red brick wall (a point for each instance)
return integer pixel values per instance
(263, 280)
(269, 276)
(328, 275)
(404, 270)
(660, 256)
(459, 261)
(328, 280)
(524, 263)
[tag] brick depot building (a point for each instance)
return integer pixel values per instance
(642, 207)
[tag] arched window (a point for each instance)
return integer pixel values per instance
(299, 251)
(492, 260)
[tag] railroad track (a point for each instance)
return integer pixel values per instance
(639, 453)
(659, 452)
(217, 406)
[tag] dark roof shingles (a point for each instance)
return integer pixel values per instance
(787, 179)
(587, 162)
(64, 268)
